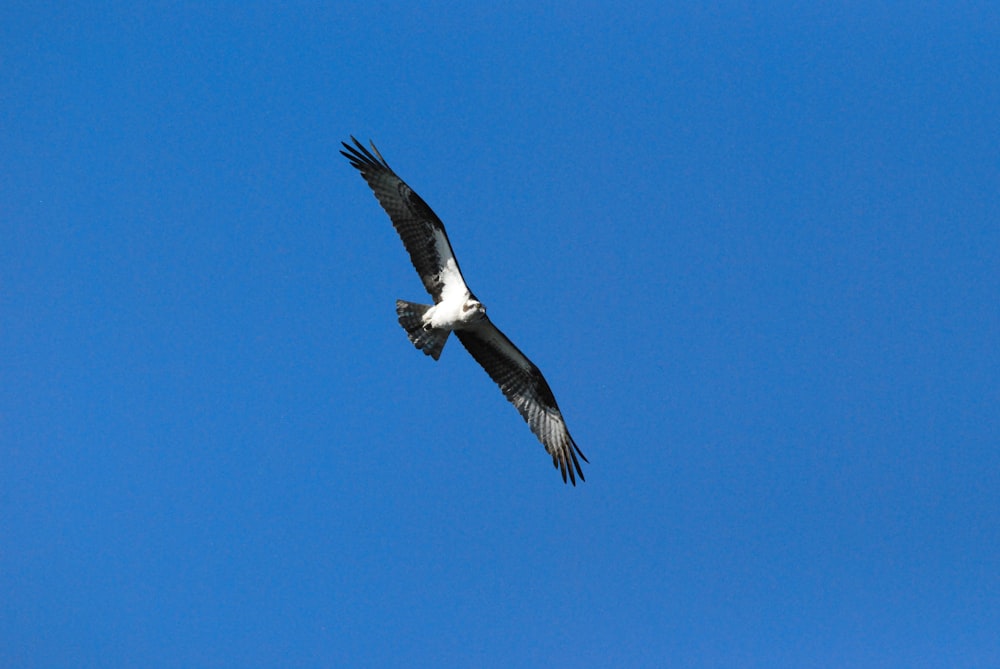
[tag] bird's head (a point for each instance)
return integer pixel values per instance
(473, 310)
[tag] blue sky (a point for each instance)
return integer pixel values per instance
(754, 248)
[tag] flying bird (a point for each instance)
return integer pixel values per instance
(457, 310)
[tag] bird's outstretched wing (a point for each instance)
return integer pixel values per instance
(523, 384)
(420, 229)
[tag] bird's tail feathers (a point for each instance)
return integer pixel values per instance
(411, 317)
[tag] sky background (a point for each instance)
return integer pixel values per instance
(754, 247)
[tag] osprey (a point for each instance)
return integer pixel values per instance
(457, 310)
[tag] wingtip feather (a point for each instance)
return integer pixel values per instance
(361, 158)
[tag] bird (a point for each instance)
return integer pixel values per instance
(457, 310)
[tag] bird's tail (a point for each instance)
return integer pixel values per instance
(428, 340)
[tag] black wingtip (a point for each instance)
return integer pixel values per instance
(566, 468)
(361, 158)
(574, 450)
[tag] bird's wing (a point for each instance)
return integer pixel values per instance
(420, 229)
(522, 383)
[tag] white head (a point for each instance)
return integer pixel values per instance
(473, 310)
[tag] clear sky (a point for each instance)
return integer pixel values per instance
(754, 247)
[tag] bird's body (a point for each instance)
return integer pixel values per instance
(457, 310)
(455, 314)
